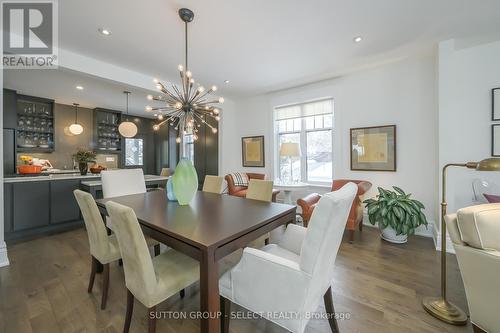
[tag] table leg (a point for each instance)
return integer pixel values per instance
(209, 293)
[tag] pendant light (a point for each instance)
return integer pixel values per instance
(127, 128)
(76, 128)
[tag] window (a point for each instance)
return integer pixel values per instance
(134, 152)
(310, 125)
(188, 147)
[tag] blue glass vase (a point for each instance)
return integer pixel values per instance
(185, 181)
(170, 190)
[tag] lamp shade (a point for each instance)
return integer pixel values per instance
(75, 129)
(290, 149)
(489, 164)
(127, 129)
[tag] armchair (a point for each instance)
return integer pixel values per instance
(355, 218)
(301, 267)
(475, 233)
(241, 191)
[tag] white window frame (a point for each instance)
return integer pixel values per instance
(303, 141)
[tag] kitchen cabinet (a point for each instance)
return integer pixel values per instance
(9, 151)
(63, 205)
(9, 108)
(7, 207)
(31, 204)
(206, 152)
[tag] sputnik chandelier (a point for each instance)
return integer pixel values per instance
(186, 109)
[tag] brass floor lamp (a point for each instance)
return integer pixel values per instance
(439, 307)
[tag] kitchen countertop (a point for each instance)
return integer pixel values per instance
(58, 176)
(146, 178)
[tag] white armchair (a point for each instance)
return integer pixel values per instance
(475, 233)
(285, 282)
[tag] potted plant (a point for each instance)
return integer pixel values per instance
(83, 157)
(396, 214)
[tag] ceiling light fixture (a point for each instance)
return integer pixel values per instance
(79, 87)
(104, 32)
(127, 128)
(187, 108)
(226, 81)
(76, 128)
(357, 39)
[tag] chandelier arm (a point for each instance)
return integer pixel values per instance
(203, 95)
(181, 98)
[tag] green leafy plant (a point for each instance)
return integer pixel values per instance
(396, 210)
(84, 156)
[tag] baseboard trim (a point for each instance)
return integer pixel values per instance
(4, 259)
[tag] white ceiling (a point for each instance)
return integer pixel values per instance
(259, 45)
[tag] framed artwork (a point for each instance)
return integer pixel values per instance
(495, 104)
(252, 151)
(495, 140)
(373, 148)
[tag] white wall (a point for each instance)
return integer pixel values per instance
(402, 93)
(466, 77)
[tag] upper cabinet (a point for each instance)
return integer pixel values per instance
(35, 124)
(106, 135)
(9, 109)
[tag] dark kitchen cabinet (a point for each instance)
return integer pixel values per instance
(9, 108)
(31, 202)
(206, 152)
(7, 207)
(63, 205)
(9, 151)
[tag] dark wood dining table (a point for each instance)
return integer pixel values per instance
(209, 228)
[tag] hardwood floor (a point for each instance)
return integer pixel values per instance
(378, 284)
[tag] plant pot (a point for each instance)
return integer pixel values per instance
(389, 234)
(185, 181)
(84, 168)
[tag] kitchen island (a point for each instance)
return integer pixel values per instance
(44, 204)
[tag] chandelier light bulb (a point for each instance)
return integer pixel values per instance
(217, 118)
(189, 74)
(178, 105)
(195, 137)
(160, 117)
(201, 89)
(150, 97)
(191, 81)
(156, 127)
(216, 111)
(149, 108)
(181, 68)
(214, 130)
(178, 140)
(155, 80)
(214, 88)
(221, 100)
(158, 86)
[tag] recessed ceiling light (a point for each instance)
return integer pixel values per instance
(226, 81)
(357, 39)
(79, 87)
(104, 32)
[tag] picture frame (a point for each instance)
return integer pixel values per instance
(495, 104)
(373, 148)
(495, 140)
(252, 151)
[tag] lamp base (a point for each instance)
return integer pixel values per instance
(444, 310)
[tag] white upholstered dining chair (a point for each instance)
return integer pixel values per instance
(292, 276)
(121, 182)
(150, 281)
(475, 233)
(212, 184)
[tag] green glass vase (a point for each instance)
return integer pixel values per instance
(185, 181)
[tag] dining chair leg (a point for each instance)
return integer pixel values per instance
(266, 241)
(225, 309)
(157, 250)
(182, 293)
(93, 270)
(120, 262)
(152, 319)
(130, 309)
(105, 285)
(361, 225)
(351, 236)
(330, 310)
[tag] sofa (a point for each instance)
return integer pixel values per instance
(241, 191)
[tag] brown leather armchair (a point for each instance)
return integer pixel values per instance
(241, 191)
(355, 218)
